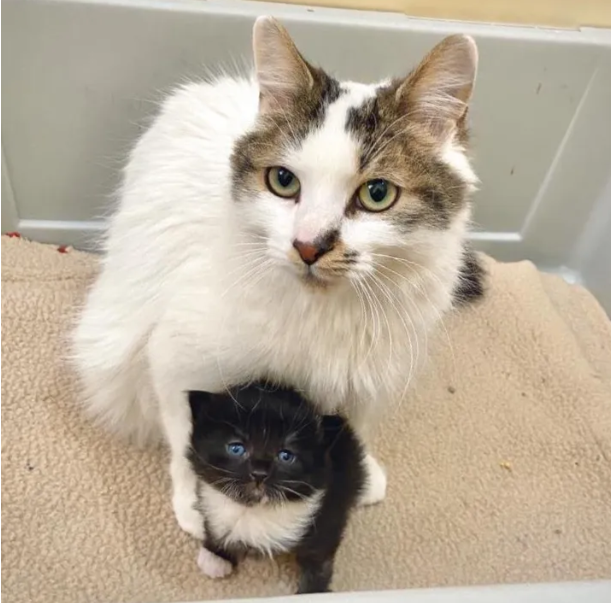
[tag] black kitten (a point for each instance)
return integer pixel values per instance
(275, 476)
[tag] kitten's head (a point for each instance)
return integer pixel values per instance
(336, 177)
(258, 444)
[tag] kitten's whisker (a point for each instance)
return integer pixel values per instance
(298, 482)
(291, 491)
(209, 464)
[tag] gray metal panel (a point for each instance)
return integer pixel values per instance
(566, 592)
(82, 77)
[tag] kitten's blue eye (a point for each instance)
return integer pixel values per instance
(236, 449)
(286, 456)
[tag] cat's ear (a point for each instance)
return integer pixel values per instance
(332, 425)
(438, 91)
(282, 73)
(199, 401)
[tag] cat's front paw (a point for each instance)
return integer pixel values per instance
(188, 518)
(212, 565)
(375, 483)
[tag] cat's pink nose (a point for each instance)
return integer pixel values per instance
(311, 252)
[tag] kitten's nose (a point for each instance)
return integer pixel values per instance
(311, 252)
(258, 475)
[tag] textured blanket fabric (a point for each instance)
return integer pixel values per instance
(499, 461)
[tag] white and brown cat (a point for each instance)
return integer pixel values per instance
(289, 227)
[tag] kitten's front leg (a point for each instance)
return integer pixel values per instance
(213, 559)
(316, 574)
(213, 564)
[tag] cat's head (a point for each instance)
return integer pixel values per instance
(336, 177)
(259, 444)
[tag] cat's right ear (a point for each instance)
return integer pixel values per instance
(198, 401)
(332, 426)
(282, 73)
(438, 91)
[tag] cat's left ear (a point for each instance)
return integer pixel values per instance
(438, 91)
(282, 73)
(198, 401)
(332, 426)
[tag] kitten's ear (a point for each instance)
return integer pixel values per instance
(332, 426)
(198, 401)
(282, 72)
(438, 91)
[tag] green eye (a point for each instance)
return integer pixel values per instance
(377, 195)
(282, 182)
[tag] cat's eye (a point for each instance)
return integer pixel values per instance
(282, 182)
(377, 195)
(236, 449)
(287, 457)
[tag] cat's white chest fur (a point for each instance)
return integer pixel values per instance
(266, 528)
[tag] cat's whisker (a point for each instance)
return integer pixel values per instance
(375, 282)
(380, 139)
(287, 121)
(251, 245)
(252, 254)
(412, 284)
(402, 312)
(253, 262)
(356, 286)
(397, 304)
(415, 285)
(374, 328)
(252, 269)
(381, 143)
(438, 313)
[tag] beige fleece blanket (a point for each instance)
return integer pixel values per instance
(499, 462)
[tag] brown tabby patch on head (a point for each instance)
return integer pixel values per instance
(278, 130)
(405, 152)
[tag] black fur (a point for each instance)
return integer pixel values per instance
(471, 285)
(329, 458)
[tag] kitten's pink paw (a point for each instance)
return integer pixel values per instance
(212, 565)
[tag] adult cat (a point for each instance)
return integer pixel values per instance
(291, 228)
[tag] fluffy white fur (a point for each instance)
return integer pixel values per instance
(267, 528)
(189, 298)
